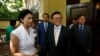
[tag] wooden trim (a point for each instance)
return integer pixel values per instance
(83, 6)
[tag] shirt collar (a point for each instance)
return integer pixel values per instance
(45, 22)
(59, 27)
(81, 25)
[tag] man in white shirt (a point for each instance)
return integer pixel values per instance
(57, 38)
(74, 22)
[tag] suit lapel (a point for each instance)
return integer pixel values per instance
(52, 36)
(43, 27)
(77, 31)
(84, 30)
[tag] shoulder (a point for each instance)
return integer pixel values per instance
(50, 27)
(75, 26)
(87, 26)
(40, 24)
(9, 28)
(16, 31)
(71, 24)
(65, 28)
(50, 23)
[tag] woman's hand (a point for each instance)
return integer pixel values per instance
(19, 54)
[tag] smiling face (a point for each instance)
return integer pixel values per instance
(57, 19)
(27, 20)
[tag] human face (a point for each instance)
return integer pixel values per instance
(45, 18)
(82, 20)
(57, 19)
(27, 20)
(74, 22)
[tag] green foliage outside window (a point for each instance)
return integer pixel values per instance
(9, 14)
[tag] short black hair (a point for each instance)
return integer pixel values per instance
(45, 14)
(80, 16)
(23, 13)
(13, 22)
(54, 13)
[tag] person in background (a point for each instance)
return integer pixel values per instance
(35, 33)
(42, 29)
(57, 41)
(74, 22)
(22, 42)
(33, 25)
(81, 37)
(9, 29)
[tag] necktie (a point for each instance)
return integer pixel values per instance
(81, 32)
(56, 35)
(46, 26)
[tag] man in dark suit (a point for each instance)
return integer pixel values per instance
(82, 37)
(57, 38)
(42, 28)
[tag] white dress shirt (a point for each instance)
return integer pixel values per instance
(57, 30)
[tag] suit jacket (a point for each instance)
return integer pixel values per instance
(63, 45)
(86, 37)
(42, 33)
